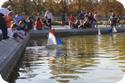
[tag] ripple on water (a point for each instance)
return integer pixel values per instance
(84, 59)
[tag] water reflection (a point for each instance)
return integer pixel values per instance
(88, 59)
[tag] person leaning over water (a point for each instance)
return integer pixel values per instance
(3, 27)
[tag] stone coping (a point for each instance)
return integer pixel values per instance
(10, 52)
(72, 32)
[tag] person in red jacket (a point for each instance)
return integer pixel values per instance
(72, 20)
(38, 24)
(9, 19)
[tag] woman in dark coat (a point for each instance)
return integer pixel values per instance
(3, 27)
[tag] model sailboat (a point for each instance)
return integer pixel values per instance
(53, 40)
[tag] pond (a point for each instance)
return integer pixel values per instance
(83, 59)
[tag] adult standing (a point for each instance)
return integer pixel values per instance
(113, 21)
(49, 18)
(3, 27)
(63, 19)
(95, 24)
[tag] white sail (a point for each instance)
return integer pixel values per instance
(1, 80)
(99, 32)
(114, 30)
(51, 39)
(122, 80)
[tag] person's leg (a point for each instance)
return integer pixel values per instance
(4, 33)
(0, 36)
(80, 22)
(94, 24)
(49, 23)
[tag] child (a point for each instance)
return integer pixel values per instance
(11, 29)
(72, 20)
(15, 33)
(38, 24)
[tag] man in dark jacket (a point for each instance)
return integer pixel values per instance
(113, 22)
(3, 27)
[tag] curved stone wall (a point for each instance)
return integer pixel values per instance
(10, 52)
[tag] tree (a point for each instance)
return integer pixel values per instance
(107, 6)
(104, 7)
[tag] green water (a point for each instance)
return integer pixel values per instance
(84, 59)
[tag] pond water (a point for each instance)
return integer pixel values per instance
(83, 59)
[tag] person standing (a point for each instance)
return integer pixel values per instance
(63, 19)
(113, 21)
(95, 24)
(49, 18)
(3, 27)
